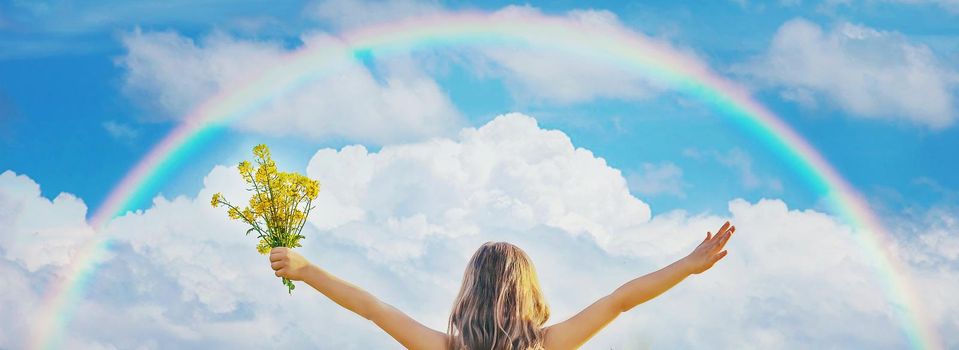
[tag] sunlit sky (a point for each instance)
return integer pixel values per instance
(88, 88)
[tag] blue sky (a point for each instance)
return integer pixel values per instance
(86, 84)
(88, 88)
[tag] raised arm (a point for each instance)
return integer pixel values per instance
(407, 331)
(574, 332)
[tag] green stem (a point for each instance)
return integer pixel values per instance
(251, 223)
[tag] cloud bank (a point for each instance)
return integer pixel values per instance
(402, 222)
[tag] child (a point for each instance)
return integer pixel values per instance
(500, 305)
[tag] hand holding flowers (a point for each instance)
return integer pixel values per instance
(278, 207)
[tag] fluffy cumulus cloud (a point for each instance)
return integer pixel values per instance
(39, 232)
(39, 237)
(493, 175)
(867, 72)
(174, 75)
(402, 221)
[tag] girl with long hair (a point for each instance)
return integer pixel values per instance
(500, 305)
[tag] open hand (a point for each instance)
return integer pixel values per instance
(288, 264)
(710, 250)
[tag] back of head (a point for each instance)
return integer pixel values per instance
(500, 305)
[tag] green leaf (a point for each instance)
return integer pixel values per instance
(289, 285)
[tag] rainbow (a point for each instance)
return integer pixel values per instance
(618, 46)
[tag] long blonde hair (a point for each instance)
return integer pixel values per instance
(500, 305)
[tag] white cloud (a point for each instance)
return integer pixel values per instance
(18, 303)
(52, 27)
(402, 222)
(174, 75)
(657, 179)
(867, 72)
(496, 175)
(534, 73)
(739, 161)
(38, 236)
(346, 14)
(950, 5)
(933, 248)
(38, 232)
(119, 130)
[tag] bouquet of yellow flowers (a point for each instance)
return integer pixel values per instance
(278, 207)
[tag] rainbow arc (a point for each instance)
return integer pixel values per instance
(651, 59)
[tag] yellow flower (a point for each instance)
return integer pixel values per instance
(260, 204)
(270, 176)
(312, 189)
(245, 169)
(233, 213)
(262, 174)
(261, 151)
(216, 199)
(263, 247)
(278, 205)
